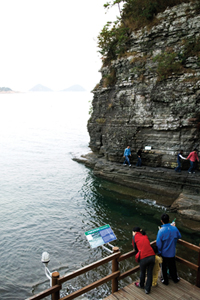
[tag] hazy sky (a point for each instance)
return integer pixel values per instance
(51, 42)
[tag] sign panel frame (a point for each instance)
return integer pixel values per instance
(100, 236)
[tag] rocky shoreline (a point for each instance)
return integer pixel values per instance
(177, 191)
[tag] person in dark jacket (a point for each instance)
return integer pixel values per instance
(141, 243)
(166, 242)
(179, 157)
(139, 157)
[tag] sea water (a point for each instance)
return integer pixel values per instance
(48, 200)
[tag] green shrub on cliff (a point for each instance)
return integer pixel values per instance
(101, 120)
(109, 79)
(113, 40)
(168, 63)
(191, 48)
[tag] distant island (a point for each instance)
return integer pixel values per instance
(5, 90)
(74, 88)
(40, 88)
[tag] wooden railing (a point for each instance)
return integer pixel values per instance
(115, 276)
(189, 264)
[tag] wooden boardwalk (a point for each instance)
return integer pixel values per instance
(182, 290)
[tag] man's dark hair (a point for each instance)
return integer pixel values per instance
(165, 218)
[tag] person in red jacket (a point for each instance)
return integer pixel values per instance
(192, 157)
(141, 243)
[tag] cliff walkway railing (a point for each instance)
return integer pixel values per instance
(115, 276)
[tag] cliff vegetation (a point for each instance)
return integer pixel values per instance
(115, 38)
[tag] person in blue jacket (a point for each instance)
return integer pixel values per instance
(127, 152)
(166, 242)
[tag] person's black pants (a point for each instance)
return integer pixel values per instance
(169, 263)
(146, 263)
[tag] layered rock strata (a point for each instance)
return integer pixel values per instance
(141, 102)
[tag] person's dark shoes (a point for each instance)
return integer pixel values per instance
(164, 282)
(177, 280)
(146, 292)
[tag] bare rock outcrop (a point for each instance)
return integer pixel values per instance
(179, 192)
(151, 97)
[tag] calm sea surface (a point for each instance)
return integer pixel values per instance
(48, 201)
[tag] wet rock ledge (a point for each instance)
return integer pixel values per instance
(178, 191)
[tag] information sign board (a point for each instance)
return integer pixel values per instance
(100, 236)
(147, 148)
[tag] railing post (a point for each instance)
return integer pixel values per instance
(56, 295)
(198, 272)
(114, 269)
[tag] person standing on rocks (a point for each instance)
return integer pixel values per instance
(139, 156)
(179, 157)
(192, 157)
(127, 152)
(166, 242)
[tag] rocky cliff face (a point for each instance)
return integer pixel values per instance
(151, 96)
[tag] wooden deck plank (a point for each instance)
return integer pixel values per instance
(117, 296)
(126, 295)
(175, 290)
(139, 293)
(111, 297)
(157, 294)
(131, 295)
(120, 296)
(182, 290)
(171, 291)
(195, 292)
(189, 297)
